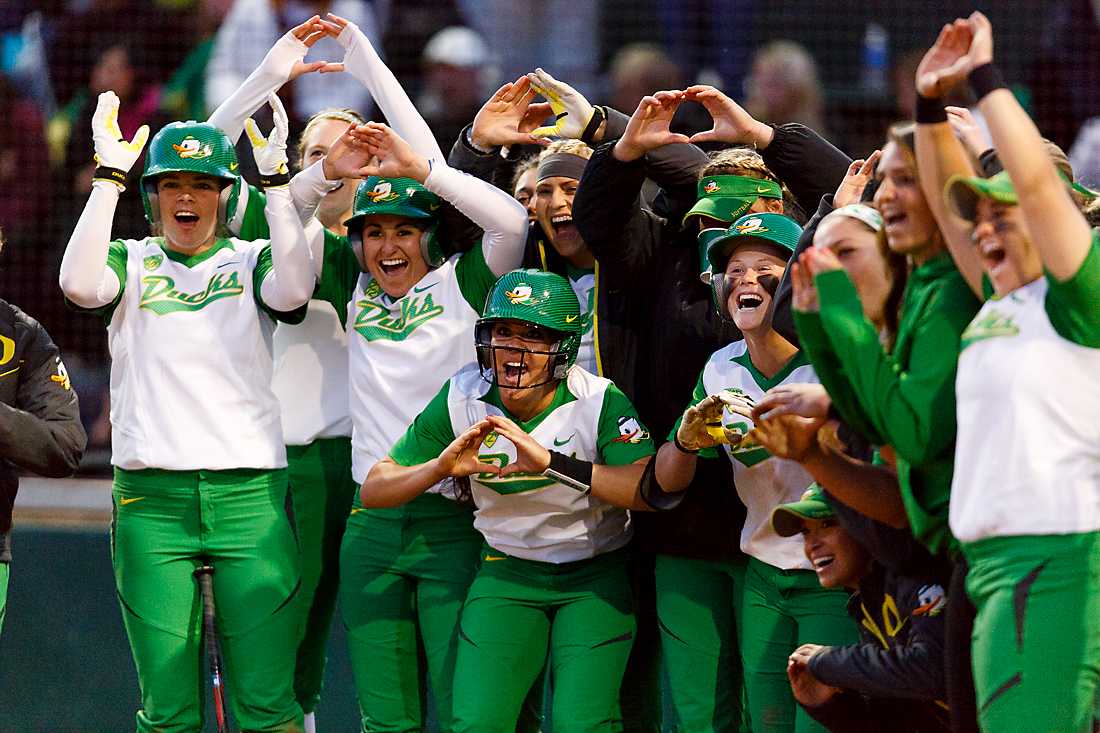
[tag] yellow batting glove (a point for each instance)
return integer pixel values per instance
(270, 152)
(572, 112)
(114, 156)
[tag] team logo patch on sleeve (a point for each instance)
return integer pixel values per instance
(630, 431)
(62, 376)
(932, 601)
(190, 148)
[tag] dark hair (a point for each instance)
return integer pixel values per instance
(463, 492)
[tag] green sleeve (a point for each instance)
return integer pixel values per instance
(1073, 306)
(254, 223)
(913, 410)
(698, 395)
(339, 273)
(116, 260)
(816, 346)
(475, 279)
(429, 435)
(263, 266)
(987, 287)
(622, 438)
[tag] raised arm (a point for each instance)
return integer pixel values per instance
(1061, 233)
(284, 62)
(940, 154)
(289, 283)
(364, 63)
(85, 278)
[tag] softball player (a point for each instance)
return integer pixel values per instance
(1025, 504)
(553, 573)
(200, 467)
(782, 605)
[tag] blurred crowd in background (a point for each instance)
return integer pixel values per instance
(846, 73)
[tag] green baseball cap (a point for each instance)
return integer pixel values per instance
(962, 192)
(787, 519)
(727, 197)
(775, 229)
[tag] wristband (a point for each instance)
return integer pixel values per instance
(274, 180)
(985, 79)
(114, 175)
(573, 472)
(598, 117)
(680, 446)
(930, 110)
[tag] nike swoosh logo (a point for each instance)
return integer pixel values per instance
(123, 501)
(570, 319)
(426, 287)
(563, 442)
(356, 510)
(491, 558)
(433, 207)
(762, 189)
(232, 166)
(226, 264)
(10, 371)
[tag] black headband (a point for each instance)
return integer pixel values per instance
(565, 165)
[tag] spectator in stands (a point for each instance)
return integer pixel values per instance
(783, 86)
(24, 167)
(456, 67)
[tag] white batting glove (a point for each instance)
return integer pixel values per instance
(113, 155)
(572, 112)
(270, 151)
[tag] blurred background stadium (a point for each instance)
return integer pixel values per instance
(845, 68)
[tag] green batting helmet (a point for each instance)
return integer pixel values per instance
(191, 147)
(404, 197)
(717, 245)
(539, 298)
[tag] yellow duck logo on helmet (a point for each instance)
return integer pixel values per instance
(752, 226)
(519, 294)
(382, 193)
(193, 149)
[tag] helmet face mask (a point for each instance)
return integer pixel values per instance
(545, 303)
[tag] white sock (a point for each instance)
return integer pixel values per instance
(311, 723)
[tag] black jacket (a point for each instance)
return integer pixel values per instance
(894, 679)
(40, 428)
(679, 328)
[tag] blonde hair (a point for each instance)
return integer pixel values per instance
(340, 114)
(569, 147)
(750, 164)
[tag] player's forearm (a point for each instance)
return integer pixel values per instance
(620, 485)
(869, 489)
(503, 219)
(308, 187)
(85, 278)
(289, 285)
(675, 469)
(364, 63)
(389, 484)
(940, 155)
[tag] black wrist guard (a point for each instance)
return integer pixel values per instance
(114, 175)
(278, 179)
(680, 446)
(930, 110)
(599, 114)
(573, 472)
(985, 79)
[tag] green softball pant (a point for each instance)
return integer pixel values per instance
(1036, 639)
(698, 602)
(166, 524)
(516, 611)
(322, 489)
(404, 577)
(5, 571)
(781, 610)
